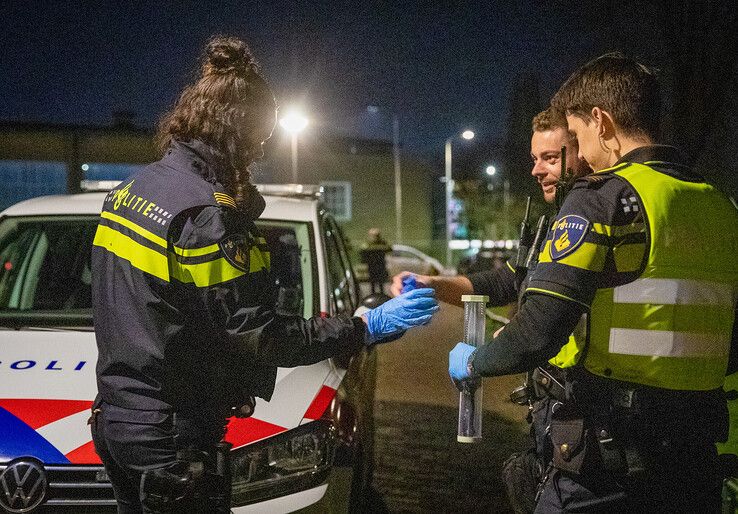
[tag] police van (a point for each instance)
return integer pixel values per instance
(309, 447)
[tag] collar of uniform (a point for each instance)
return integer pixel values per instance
(663, 158)
(196, 157)
(660, 153)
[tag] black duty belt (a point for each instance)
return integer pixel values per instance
(549, 383)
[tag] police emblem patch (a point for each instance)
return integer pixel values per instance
(568, 235)
(236, 249)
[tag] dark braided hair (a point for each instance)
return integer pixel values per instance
(230, 107)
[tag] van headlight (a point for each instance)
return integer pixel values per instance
(290, 462)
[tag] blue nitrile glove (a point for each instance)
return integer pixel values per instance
(458, 361)
(409, 283)
(400, 313)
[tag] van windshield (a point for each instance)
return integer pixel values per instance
(45, 266)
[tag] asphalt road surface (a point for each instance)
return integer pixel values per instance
(419, 466)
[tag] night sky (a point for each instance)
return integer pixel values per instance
(440, 66)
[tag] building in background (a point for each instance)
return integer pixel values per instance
(358, 180)
(357, 174)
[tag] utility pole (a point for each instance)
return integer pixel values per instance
(398, 177)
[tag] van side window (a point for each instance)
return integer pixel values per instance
(342, 285)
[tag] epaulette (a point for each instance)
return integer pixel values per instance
(224, 199)
(593, 178)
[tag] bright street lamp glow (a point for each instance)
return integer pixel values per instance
(293, 122)
(468, 134)
(490, 170)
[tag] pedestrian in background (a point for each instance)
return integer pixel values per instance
(373, 254)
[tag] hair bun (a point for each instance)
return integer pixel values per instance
(228, 54)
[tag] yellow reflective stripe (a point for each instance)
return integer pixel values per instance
(510, 266)
(206, 273)
(618, 230)
(196, 252)
(258, 259)
(140, 256)
(589, 256)
(545, 255)
(567, 356)
(217, 271)
(554, 294)
(629, 257)
(136, 228)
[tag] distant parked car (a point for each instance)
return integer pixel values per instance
(483, 260)
(407, 258)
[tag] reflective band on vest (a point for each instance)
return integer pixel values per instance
(664, 343)
(672, 327)
(675, 291)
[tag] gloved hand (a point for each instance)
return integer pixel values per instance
(409, 283)
(400, 313)
(401, 281)
(458, 362)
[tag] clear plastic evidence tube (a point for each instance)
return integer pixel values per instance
(470, 397)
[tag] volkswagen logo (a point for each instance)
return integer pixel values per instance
(22, 486)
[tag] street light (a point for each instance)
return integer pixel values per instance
(490, 170)
(294, 123)
(468, 135)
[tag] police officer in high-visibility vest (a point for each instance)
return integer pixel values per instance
(188, 319)
(640, 260)
(549, 134)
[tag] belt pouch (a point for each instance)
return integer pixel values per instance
(569, 439)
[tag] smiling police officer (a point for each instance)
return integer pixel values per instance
(187, 319)
(638, 403)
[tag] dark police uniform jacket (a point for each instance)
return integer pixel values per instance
(183, 300)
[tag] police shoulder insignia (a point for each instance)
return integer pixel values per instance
(568, 235)
(236, 250)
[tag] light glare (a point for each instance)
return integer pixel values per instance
(490, 170)
(468, 134)
(293, 122)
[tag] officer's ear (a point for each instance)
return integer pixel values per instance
(606, 126)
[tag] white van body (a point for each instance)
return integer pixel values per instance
(47, 376)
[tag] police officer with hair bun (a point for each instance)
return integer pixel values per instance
(187, 320)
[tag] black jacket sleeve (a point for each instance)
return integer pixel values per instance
(538, 331)
(236, 296)
(499, 284)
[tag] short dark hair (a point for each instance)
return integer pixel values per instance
(551, 119)
(623, 87)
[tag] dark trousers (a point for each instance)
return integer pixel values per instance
(668, 471)
(129, 442)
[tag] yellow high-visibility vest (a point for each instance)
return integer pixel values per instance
(670, 328)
